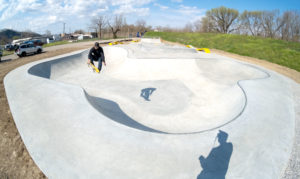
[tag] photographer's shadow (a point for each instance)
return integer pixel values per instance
(215, 165)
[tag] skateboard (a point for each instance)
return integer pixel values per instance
(95, 69)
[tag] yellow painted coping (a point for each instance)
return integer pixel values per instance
(206, 50)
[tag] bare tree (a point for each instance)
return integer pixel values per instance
(80, 31)
(141, 25)
(188, 27)
(116, 23)
(222, 18)
(290, 29)
(251, 21)
(94, 28)
(271, 23)
(48, 33)
(98, 24)
(207, 25)
(295, 26)
(197, 25)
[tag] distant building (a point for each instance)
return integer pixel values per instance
(19, 41)
(53, 38)
(82, 37)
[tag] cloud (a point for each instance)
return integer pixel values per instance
(177, 16)
(162, 7)
(178, 1)
(11, 8)
(4, 4)
(132, 7)
(129, 9)
(190, 10)
(131, 2)
(41, 15)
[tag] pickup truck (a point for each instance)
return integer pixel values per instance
(25, 49)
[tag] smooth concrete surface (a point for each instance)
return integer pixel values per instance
(154, 111)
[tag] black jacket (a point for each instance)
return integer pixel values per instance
(94, 54)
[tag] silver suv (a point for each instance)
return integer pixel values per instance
(25, 49)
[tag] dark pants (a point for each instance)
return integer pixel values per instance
(99, 63)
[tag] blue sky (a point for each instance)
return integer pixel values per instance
(42, 15)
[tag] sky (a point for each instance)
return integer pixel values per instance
(42, 15)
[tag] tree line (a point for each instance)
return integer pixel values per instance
(103, 26)
(272, 24)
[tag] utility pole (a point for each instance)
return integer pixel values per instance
(64, 27)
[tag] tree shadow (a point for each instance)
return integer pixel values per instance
(215, 165)
(147, 92)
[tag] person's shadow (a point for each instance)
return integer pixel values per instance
(145, 93)
(215, 165)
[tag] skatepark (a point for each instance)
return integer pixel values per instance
(155, 111)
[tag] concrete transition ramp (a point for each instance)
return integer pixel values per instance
(155, 111)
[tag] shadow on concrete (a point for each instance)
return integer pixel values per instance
(113, 111)
(44, 69)
(147, 92)
(215, 165)
(106, 107)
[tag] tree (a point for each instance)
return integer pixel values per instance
(141, 25)
(48, 33)
(4, 40)
(207, 25)
(16, 37)
(271, 23)
(115, 24)
(251, 21)
(290, 29)
(80, 31)
(198, 25)
(99, 23)
(222, 18)
(188, 27)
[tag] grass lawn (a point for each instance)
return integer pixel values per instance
(276, 51)
(56, 43)
(8, 52)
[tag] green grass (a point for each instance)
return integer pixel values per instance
(5, 53)
(67, 42)
(276, 51)
(57, 43)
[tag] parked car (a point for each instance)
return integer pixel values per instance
(35, 42)
(25, 49)
(9, 47)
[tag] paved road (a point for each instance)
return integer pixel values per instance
(53, 48)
